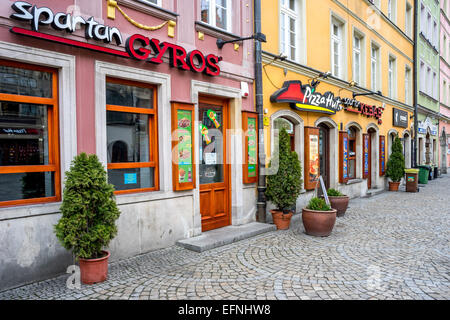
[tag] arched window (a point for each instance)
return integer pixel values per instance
(282, 122)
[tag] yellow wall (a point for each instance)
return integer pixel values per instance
(317, 20)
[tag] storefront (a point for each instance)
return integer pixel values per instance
(428, 140)
(159, 103)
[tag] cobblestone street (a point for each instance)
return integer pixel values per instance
(394, 245)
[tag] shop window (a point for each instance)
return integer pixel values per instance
(217, 13)
(29, 147)
(351, 169)
(131, 115)
(280, 123)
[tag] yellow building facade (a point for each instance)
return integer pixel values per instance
(353, 61)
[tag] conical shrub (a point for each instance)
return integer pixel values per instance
(395, 167)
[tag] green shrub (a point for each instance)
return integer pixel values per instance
(89, 210)
(318, 204)
(395, 167)
(284, 187)
(334, 193)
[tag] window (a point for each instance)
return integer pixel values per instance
(407, 85)
(132, 143)
(288, 28)
(374, 66)
(157, 2)
(423, 21)
(217, 13)
(29, 147)
(351, 153)
(429, 82)
(429, 27)
(392, 12)
(445, 47)
(337, 45)
(358, 66)
(435, 86)
(434, 39)
(392, 78)
(408, 20)
(444, 92)
(422, 86)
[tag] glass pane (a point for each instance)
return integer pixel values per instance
(205, 11)
(222, 3)
(25, 82)
(212, 147)
(221, 18)
(129, 96)
(280, 123)
(292, 5)
(351, 169)
(127, 137)
(23, 134)
(132, 178)
(18, 186)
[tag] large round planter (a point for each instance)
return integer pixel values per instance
(339, 203)
(281, 220)
(94, 270)
(393, 186)
(318, 223)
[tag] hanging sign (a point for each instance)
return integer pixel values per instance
(204, 132)
(213, 116)
(400, 118)
(305, 98)
(137, 46)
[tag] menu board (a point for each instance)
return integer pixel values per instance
(312, 164)
(249, 126)
(183, 168)
(382, 155)
(343, 156)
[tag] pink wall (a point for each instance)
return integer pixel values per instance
(236, 66)
(444, 72)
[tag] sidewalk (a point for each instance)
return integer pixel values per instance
(394, 245)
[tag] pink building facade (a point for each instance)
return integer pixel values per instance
(444, 123)
(90, 76)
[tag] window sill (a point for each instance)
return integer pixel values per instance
(215, 32)
(150, 9)
(353, 181)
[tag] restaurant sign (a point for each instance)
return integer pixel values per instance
(305, 98)
(137, 46)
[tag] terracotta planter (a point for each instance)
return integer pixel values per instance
(340, 204)
(281, 220)
(393, 186)
(318, 223)
(94, 270)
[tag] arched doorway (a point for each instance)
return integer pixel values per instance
(324, 153)
(428, 152)
(370, 156)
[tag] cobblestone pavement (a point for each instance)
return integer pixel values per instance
(394, 245)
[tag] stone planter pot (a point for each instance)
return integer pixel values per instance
(94, 270)
(318, 223)
(393, 186)
(281, 220)
(339, 203)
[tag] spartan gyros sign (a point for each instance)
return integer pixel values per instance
(137, 46)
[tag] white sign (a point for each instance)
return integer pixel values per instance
(424, 125)
(210, 158)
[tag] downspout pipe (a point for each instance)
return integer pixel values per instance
(261, 202)
(415, 82)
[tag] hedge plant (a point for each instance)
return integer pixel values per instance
(284, 187)
(395, 167)
(89, 210)
(334, 193)
(318, 204)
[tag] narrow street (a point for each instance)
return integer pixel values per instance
(394, 245)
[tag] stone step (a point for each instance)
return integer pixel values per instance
(219, 237)
(373, 192)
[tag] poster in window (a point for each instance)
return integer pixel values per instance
(366, 155)
(312, 164)
(343, 156)
(183, 155)
(382, 155)
(249, 126)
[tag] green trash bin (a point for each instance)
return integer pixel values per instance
(423, 174)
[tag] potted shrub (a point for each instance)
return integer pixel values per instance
(318, 218)
(89, 212)
(395, 167)
(284, 187)
(338, 201)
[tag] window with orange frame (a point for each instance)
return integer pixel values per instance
(29, 141)
(132, 136)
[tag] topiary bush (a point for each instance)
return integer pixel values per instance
(395, 167)
(318, 204)
(334, 193)
(284, 187)
(89, 210)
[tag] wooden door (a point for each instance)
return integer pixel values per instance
(213, 169)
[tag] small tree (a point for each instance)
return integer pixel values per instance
(395, 167)
(284, 187)
(89, 210)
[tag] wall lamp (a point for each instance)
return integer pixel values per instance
(258, 36)
(366, 94)
(314, 82)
